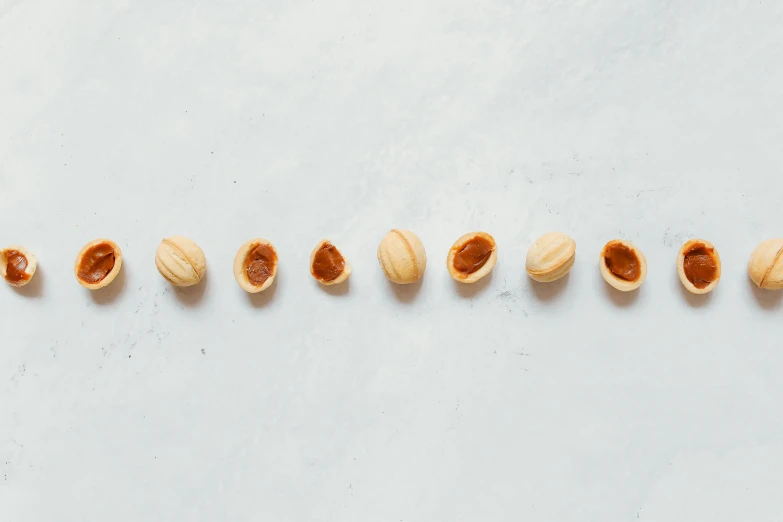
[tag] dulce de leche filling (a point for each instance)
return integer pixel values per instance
(16, 264)
(700, 266)
(96, 263)
(473, 255)
(622, 262)
(260, 263)
(328, 263)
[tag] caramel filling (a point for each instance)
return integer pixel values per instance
(96, 263)
(473, 255)
(16, 263)
(328, 263)
(700, 266)
(622, 262)
(260, 263)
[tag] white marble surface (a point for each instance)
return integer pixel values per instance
(653, 121)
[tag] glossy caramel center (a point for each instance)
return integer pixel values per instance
(473, 254)
(16, 264)
(700, 266)
(328, 263)
(96, 263)
(622, 262)
(260, 263)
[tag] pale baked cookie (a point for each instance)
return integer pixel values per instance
(622, 265)
(698, 265)
(550, 257)
(180, 261)
(97, 264)
(255, 265)
(17, 265)
(765, 266)
(472, 257)
(327, 264)
(402, 256)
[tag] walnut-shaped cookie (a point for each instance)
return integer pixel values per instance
(550, 257)
(765, 266)
(181, 261)
(402, 257)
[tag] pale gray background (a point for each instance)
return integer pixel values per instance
(653, 121)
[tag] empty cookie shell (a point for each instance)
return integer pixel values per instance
(622, 265)
(698, 265)
(471, 257)
(327, 265)
(97, 264)
(255, 265)
(17, 265)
